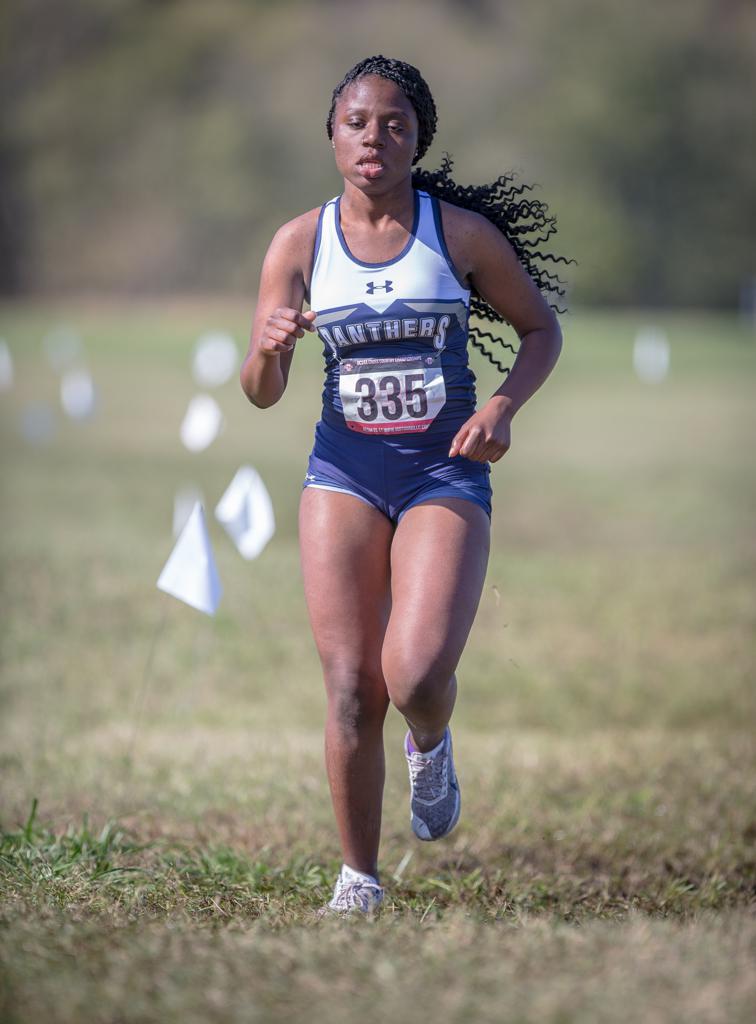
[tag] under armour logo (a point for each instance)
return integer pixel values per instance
(373, 287)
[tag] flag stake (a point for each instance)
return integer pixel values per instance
(141, 695)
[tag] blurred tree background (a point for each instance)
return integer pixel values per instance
(151, 146)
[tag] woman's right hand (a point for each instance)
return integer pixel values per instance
(278, 323)
(282, 329)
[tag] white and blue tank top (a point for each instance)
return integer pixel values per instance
(394, 334)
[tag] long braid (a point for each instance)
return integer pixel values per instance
(525, 222)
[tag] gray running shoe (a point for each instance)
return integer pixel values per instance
(356, 896)
(435, 800)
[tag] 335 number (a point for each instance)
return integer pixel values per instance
(385, 396)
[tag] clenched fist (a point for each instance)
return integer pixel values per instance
(282, 329)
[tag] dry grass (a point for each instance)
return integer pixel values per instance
(604, 866)
(458, 969)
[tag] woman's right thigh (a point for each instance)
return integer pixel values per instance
(345, 547)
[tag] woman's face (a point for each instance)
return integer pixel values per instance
(374, 134)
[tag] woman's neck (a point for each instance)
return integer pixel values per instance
(397, 204)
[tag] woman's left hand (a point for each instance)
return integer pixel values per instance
(486, 436)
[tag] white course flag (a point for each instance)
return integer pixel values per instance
(216, 357)
(183, 506)
(6, 366)
(202, 423)
(246, 513)
(190, 573)
(77, 394)
(64, 348)
(651, 355)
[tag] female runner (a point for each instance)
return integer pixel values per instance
(395, 510)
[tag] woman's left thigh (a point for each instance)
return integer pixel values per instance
(439, 556)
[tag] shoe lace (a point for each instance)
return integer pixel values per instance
(428, 776)
(356, 896)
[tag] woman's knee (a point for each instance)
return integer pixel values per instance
(357, 697)
(417, 687)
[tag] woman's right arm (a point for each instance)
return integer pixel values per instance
(279, 320)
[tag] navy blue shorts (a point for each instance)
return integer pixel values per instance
(391, 475)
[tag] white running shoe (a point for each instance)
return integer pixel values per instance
(354, 894)
(435, 800)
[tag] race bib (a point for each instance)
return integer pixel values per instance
(392, 396)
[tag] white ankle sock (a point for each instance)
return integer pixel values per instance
(350, 875)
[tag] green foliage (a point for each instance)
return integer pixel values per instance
(156, 146)
(36, 851)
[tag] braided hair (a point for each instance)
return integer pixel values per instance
(525, 222)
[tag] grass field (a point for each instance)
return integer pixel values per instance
(162, 851)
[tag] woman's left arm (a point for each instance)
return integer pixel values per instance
(498, 277)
